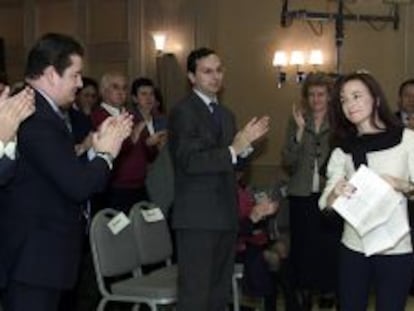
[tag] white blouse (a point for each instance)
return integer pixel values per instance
(397, 161)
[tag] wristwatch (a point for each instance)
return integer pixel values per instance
(109, 159)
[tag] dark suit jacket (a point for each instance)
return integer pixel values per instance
(41, 225)
(205, 185)
(7, 167)
(81, 124)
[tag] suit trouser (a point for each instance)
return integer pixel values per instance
(205, 267)
(20, 296)
(389, 275)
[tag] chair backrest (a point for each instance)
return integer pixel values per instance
(153, 238)
(160, 180)
(113, 254)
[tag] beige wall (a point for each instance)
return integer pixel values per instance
(117, 36)
(247, 40)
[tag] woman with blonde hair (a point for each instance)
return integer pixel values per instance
(314, 238)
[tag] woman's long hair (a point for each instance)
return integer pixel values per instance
(341, 126)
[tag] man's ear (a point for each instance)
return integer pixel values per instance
(50, 74)
(191, 77)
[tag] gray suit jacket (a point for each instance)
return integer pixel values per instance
(205, 185)
(299, 158)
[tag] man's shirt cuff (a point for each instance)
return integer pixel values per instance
(8, 150)
(233, 155)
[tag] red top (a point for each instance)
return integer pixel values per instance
(130, 166)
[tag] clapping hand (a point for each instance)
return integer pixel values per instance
(251, 132)
(256, 128)
(112, 132)
(157, 139)
(263, 209)
(13, 111)
(297, 113)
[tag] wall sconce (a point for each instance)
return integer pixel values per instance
(316, 58)
(297, 59)
(280, 60)
(159, 42)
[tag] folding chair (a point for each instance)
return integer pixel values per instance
(154, 246)
(115, 255)
(152, 234)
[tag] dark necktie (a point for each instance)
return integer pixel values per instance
(215, 113)
(66, 119)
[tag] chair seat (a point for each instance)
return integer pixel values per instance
(167, 272)
(162, 284)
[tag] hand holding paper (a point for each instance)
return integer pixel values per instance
(371, 206)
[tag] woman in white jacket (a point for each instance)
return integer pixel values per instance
(366, 132)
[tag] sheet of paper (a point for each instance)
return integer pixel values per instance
(375, 210)
(387, 235)
(371, 204)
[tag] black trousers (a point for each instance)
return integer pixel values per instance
(315, 241)
(389, 275)
(205, 267)
(24, 297)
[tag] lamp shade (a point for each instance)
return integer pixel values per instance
(280, 59)
(159, 40)
(297, 58)
(316, 57)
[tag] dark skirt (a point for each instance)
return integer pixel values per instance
(315, 240)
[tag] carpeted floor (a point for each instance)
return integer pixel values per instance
(255, 304)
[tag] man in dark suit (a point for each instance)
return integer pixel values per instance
(204, 147)
(41, 225)
(13, 111)
(405, 114)
(406, 103)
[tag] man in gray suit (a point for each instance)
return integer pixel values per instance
(204, 147)
(13, 111)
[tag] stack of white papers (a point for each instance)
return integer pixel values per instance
(375, 210)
